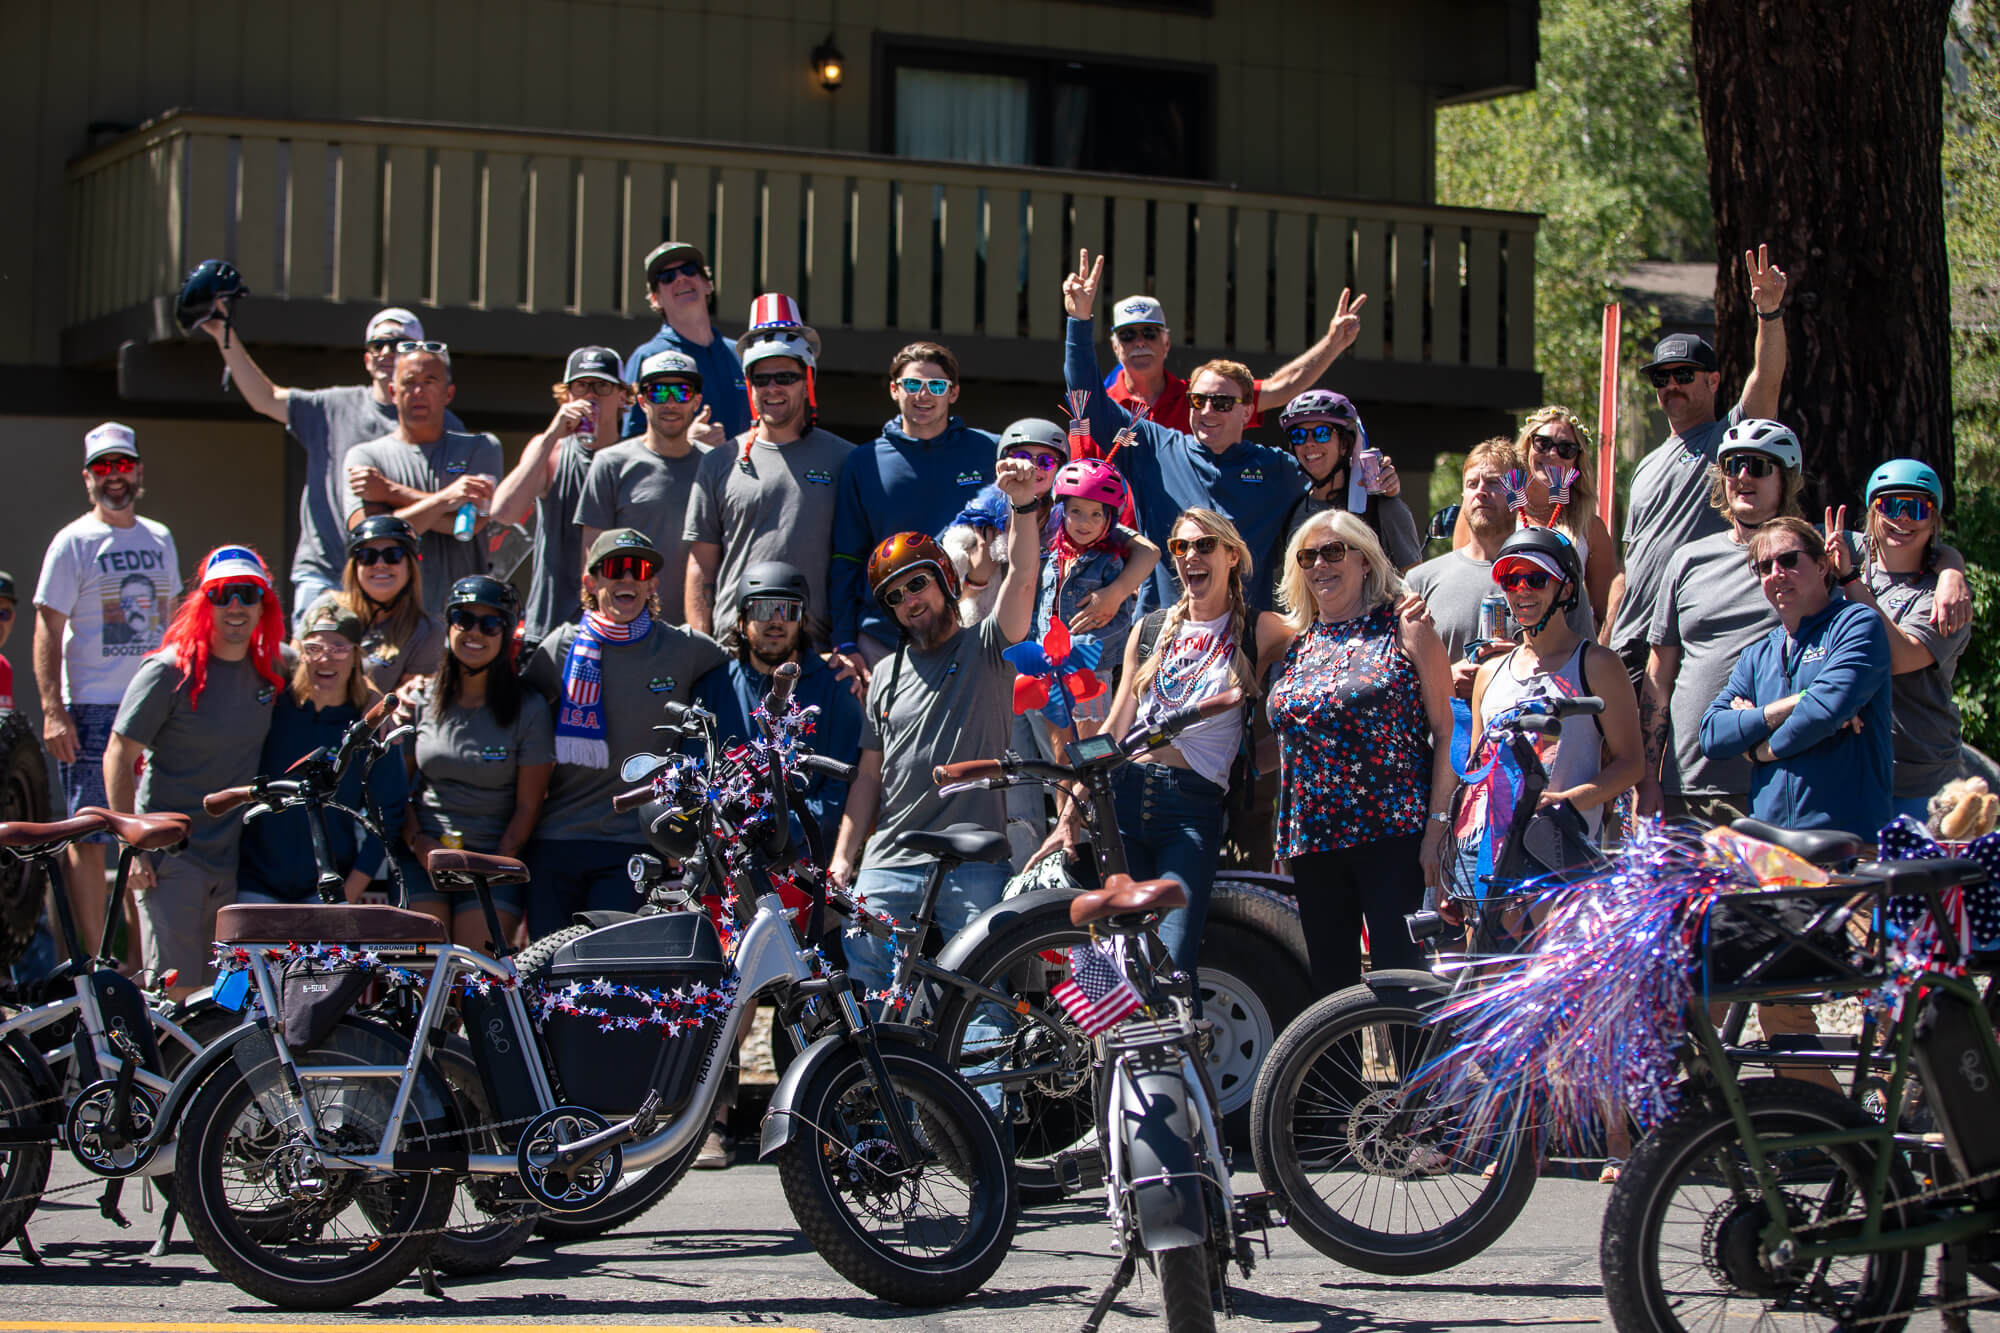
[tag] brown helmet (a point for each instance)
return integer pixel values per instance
(906, 551)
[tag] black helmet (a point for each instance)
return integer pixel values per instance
(1551, 552)
(771, 578)
(383, 527)
(481, 590)
(212, 280)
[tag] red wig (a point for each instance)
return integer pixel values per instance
(187, 635)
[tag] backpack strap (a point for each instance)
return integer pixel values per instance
(1149, 632)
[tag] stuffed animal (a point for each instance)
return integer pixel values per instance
(1964, 810)
(976, 541)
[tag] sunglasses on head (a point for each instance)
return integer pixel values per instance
(1044, 462)
(1133, 333)
(766, 379)
(428, 345)
(894, 597)
(1332, 553)
(1536, 579)
(489, 623)
(1677, 375)
(661, 391)
(1322, 433)
(243, 594)
(1214, 402)
(388, 555)
(1567, 450)
(117, 465)
(1909, 508)
(1782, 560)
(773, 608)
(1198, 545)
(910, 384)
(636, 567)
(1751, 465)
(687, 269)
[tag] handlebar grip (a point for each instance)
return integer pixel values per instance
(1216, 704)
(1539, 723)
(229, 798)
(967, 770)
(782, 681)
(1583, 705)
(828, 767)
(633, 799)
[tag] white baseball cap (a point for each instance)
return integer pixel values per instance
(661, 364)
(398, 318)
(1138, 310)
(109, 438)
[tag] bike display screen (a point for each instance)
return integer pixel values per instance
(1090, 749)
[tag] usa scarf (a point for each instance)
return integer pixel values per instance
(580, 720)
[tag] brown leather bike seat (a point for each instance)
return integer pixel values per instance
(324, 923)
(148, 833)
(1124, 896)
(456, 862)
(20, 833)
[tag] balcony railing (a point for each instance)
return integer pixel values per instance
(507, 220)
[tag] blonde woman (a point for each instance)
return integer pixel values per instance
(383, 586)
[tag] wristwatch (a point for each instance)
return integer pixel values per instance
(1027, 508)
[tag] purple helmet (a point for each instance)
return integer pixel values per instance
(1320, 405)
(1092, 479)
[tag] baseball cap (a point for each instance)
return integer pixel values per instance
(622, 541)
(329, 615)
(594, 363)
(228, 563)
(397, 318)
(672, 252)
(1677, 349)
(109, 438)
(7, 587)
(776, 342)
(1138, 310)
(678, 364)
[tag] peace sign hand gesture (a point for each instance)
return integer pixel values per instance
(1080, 287)
(1837, 553)
(1767, 280)
(1346, 324)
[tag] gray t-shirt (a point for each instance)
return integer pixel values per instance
(197, 749)
(385, 665)
(630, 486)
(950, 704)
(1926, 723)
(467, 765)
(432, 467)
(1387, 515)
(1667, 509)
(552, 593)
(776, 505)
(327, 423)
(1711, 607)
(638, 679)
(1453, 585)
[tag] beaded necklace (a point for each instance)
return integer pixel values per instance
(1177, 677)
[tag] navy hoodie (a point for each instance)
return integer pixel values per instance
(733, 691)
(1826, 775)
(898, 484)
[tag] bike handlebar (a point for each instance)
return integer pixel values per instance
(966, 770)
(229, 798)
(827, 767)
(633, 799)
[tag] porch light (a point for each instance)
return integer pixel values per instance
(829, 66)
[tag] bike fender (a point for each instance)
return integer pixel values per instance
(1405, 978)
(1156, 1129)
(997, 917)
(779, 1122)
(196, 1071)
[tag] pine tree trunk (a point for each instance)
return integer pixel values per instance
(1824, 125)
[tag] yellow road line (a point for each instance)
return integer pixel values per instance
(68, 1326)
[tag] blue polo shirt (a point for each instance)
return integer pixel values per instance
(722, 389)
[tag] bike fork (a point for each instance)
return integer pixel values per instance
(862, 1033)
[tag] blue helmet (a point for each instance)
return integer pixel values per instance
(1906, 474)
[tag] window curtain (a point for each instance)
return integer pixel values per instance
(962, 117)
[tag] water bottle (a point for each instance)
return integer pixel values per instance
(467, 520)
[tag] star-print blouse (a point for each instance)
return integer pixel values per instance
(1353, 740)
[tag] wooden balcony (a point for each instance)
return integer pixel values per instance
(514, 243)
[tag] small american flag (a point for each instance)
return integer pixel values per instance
(1097, 994)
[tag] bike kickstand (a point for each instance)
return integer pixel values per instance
(169, 1213)
(28, 1250)
(107, 1203)
(427, 1278)
(1119, 1281)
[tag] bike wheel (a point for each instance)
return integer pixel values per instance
(1681, 1248)
(1373, 1173)
(922, 1233)
(1184, 1289)
(302, 1237)
(490, 1220)
(24, 1167)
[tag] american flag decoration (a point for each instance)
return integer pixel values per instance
(1097, 995)
(1516, 483)
(1559, 480)
(1975, 914)
(1079, 426)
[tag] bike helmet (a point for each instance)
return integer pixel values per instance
(383, 527)
(1092, 479)
(1762, 437)
(768, 343)
(1906, 474)
(1320, 405)
(906, 551)
(1033, 433)
(1549, 551)
(771, 578)
(481, 590)
(212, 280)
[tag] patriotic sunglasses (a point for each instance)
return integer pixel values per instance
(1905, 508)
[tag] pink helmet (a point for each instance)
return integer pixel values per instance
(1092, 479)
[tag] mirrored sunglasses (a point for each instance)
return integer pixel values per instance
(773, 608)
(625, 567)
(1319, 433)
(1198, 545)
(1905, 508)
(116, 465)
(935, 388)
(894, 597)
(1044, 462)
(243, 594)
(665, 391)
(1214, 402)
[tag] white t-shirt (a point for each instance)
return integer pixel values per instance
(1197, 665)
(117, 587)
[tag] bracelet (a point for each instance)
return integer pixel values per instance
(1441, 817)
(1848, 578)
(1027, 508)
(1775, 314)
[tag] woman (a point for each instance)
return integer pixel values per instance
(326, 696)
(1326, 436)
(485, 747)
(1363, 795)
(384, 587)
(1905, 502)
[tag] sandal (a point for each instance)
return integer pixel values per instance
(1612, 1167)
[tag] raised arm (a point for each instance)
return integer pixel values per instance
(264, 397)
(1767, 297)
(529, 481)
(1303, 371)
(1080, 351)
(1016, 607)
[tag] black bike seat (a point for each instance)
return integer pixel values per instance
(956, 842)
(1822, 847)
(1909, 878)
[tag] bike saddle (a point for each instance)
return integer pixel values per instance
(456, 863)
(957, 842)
(1909, 878)
(1822, 847)
(1124, 897)
(19, 833)
(359, 923)
(148, 833)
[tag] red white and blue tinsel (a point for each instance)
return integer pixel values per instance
(1055, 674)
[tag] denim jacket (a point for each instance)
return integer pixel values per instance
(1095, 569)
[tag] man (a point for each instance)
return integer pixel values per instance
(769, 497)
(197, 712)
(916, 476)
(1140, 339)
(644, 483)
(1213, 467)
(550, 477)
(1668, 505)
(947, 696)
(425, 473)
(680, 287)
(87, 645)
(1709, 609)
(327, 423)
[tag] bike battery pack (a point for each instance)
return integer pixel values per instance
(123, 1007)
(504, 1053)
(1960, 1066)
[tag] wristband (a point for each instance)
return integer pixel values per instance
(1027, 508)
(1775, 314)
(844, 649)
(1848, 577)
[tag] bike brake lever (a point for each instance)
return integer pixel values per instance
(976, 784)
(397, 736)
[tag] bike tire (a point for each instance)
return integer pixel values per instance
(1251, 990)
(838, 1151)
(1647, 1215)
(24, 795)
(24, 1167)
(487, 1226)
(1382, 1203)
(1185, 1289)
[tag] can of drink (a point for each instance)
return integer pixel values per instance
(453, 839)
(1493, 616)
(1368, 463)
(586, 430)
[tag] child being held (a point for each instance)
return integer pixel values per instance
(1092, 570)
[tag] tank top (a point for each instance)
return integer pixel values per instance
(1193, 667)
(1577, 756)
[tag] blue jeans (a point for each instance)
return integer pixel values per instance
(570, 876)
(1171, 821)
(899, 890)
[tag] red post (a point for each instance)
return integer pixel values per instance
(1607, 416)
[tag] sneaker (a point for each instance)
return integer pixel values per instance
(714, 1154)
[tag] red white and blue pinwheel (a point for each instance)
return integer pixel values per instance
(1055, 674)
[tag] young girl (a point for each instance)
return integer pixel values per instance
(1091, 570)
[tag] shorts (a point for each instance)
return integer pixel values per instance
(179, 916)
(83, 781)
(420, 888)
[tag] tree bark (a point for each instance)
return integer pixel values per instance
(1824, 124)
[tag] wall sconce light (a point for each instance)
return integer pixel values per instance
(829, 66)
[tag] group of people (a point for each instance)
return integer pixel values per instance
(694, 528)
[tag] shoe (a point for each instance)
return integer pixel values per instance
(714, 1154)
(1612, 1167)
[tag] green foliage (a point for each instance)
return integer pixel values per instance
(1975, 530)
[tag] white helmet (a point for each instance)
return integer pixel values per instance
(1753, 435)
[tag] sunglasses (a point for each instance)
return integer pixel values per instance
(1567, 450)
(773, 608)
(659, 392)
(1043, 462)
(315, 648)
(1323, 433)
(1198, 545)
(428, 345)
(1911, 508)
(1536, 579)
(1782, 560)
(1133, 333)
(688, 269)
(636, 567)
(894, 597)
(113, 467)
(388, 555)
(6, 614)
(1332, 553)
(243, 594)
(1678, 375)
(489, 623)
(935, 388)
(786, 378)
(1214, 402)
(1751, 465)
(383, 344)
